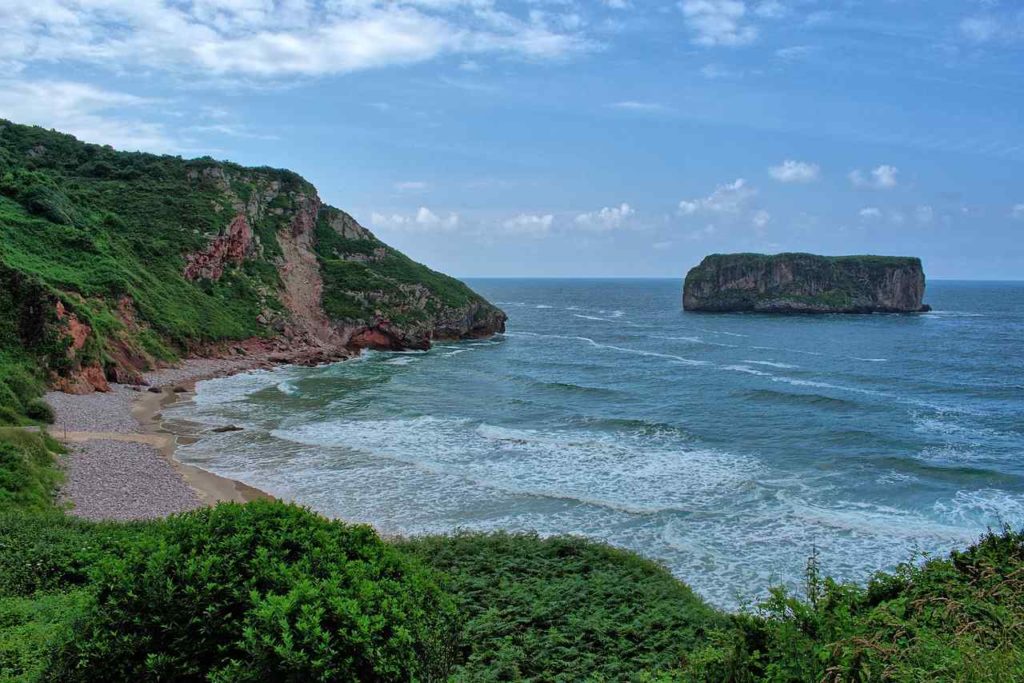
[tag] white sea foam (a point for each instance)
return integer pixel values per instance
(772, 364)
(983, 508)
(288, 388)
(623, 470)
(238, 387)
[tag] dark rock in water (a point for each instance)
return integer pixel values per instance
(805, 283)
(155, 390)
(226, 428)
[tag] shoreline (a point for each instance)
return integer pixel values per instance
(212, 488)
(121, 462)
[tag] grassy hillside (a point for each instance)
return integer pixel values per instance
(110, 236)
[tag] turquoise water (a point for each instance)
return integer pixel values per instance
(726, 446)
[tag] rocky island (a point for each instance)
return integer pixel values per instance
(805, 283)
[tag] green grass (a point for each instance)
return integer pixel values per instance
(364, 280)
(28, 473)
(563, 609)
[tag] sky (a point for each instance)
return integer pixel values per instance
(572, 138)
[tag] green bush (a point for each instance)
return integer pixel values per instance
(51, 551)
(959, 618)
(260, 592)
(28, 472)
(562, 609)
(31, 628)
(39, 410)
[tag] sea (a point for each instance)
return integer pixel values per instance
(729, 447)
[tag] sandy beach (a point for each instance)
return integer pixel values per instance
(120, 463)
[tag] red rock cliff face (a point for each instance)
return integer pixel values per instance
(83, 379)
(230, 248)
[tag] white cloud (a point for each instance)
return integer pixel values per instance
(715, 72)
(424, 220)
(707, 231)
(761, 219)
(790, 171)
(870, 212)
(1017, 212)
(411, 186)
(263, 39)
(880, 178)
(729, 198)
(718, 22)
(87, 112)
(771, 9)
(795, 52)
(979, 29)
(633, 105)
(608, 218)
(924, 214)
(529, 224)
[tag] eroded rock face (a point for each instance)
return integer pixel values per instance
(805, 283)
(81, 378)
(230, 248)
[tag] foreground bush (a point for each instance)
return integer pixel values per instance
(563, 609)
(260, 592)
(959, 618)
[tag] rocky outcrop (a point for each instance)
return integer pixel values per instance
(805, 283)
(113, 263)
(230, 248)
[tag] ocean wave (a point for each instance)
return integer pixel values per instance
(772, 364)
(983, 508)
(803, 399)
(573, 387)
(621, 469)
(400, 360)
(698, 340)
(288, 388)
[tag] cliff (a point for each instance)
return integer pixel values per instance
(112, 263)
(805, 283)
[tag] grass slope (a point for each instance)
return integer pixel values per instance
(88, 226)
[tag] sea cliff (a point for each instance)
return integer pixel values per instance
(115, 263)
(805, 283)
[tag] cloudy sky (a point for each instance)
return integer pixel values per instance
(572, 137)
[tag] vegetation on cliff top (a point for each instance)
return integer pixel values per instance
(106, 234)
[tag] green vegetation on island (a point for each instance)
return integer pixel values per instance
(805, 283)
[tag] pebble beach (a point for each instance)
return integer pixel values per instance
(120, 465)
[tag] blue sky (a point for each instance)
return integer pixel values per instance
(572, 137)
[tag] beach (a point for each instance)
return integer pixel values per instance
(120, 462)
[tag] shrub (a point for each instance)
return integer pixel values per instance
(47, 552)
(959, 618)
(32, 627)
(256, 592)
(39, 410)
(563, 609)
(28, 472)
